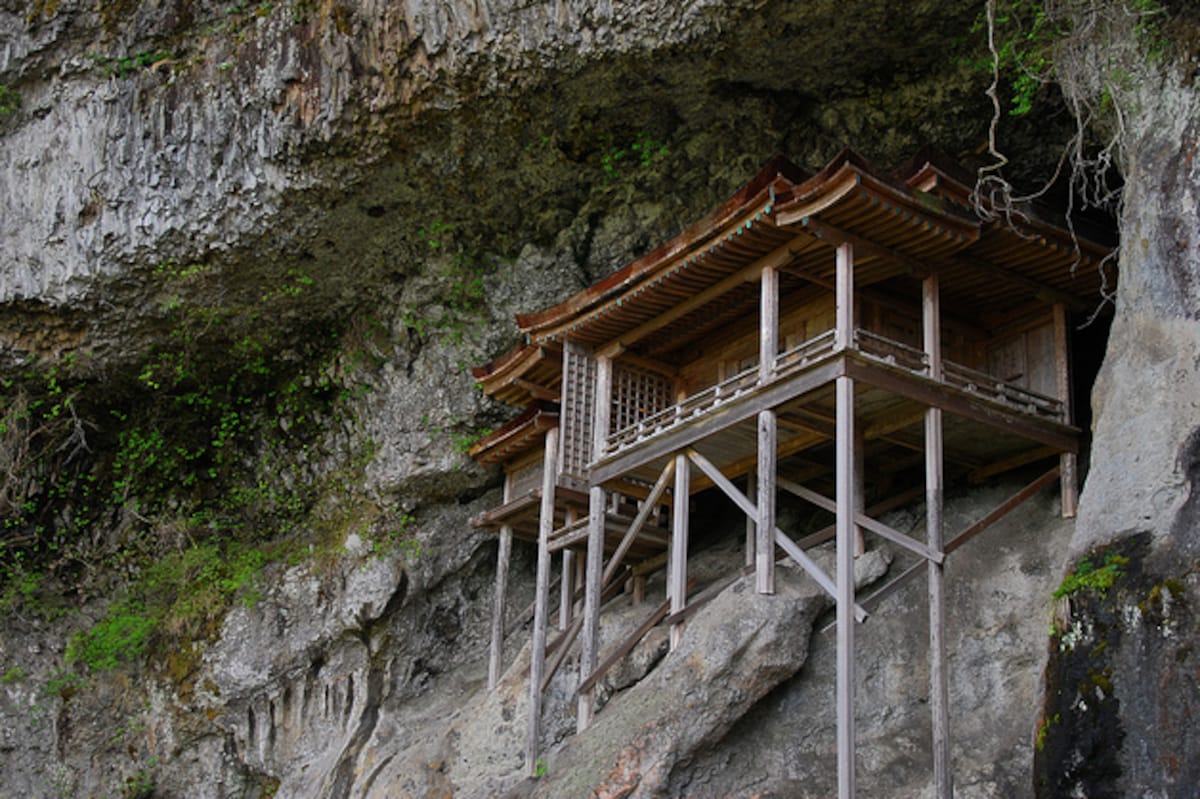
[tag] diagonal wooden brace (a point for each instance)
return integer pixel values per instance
(796, 553)
(864, 521)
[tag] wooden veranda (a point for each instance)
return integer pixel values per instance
(845, 336)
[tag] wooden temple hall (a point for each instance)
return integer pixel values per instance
(845, 336)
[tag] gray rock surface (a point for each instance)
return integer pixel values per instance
(1147, 397)
(1121, 688)
(998, 608)
(338, 142)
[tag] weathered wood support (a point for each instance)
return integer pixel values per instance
(899, 581)
(846, 530)
(580, 580)
(860, 487)
(938, 683)
(595, 552)
(1069, 462)
(780, 538)
(764, 543)
(768, 435)
(568, 580)
(499, 607)
(846, 542)
(751, 524)
(861, 520)
(566, 594)
(626, 646)
(537, 663)
(677, 568)
(639, 521)
(768, 323)
(500, 597)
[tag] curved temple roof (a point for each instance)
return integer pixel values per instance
(911, 225)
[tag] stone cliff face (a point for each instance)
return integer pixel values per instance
(247, 252)
(1122, 680)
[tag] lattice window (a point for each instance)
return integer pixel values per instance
(638, 393)
(578, 408)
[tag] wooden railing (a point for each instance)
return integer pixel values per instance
(993, 388)
(891, 352)
(805, 353)
(695, 405)
(813, 351)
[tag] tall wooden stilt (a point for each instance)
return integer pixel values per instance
(846, 530)
(597, 507)
(1069, 462)
(537, 663)
(499, 608)
(764, 545)
(580, 579)
(768, 436)
(938, 683)
(566, 593)
(500, 597)
(846, 536)
(860, 486)
(677, 564)
(566, 584)
(751, 524)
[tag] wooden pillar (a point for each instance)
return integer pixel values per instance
(567, 584)
(677, 566)
(500, 597)
(845, 531)
(537, 661)
(499, 608)
(768, 323)
(1069, 462)
(860, 486)
(566, 593)
(768, 349)
(597, 507)
(751, 524)
(844, 332)
(764, 545)
(934, 485)
(580, 579)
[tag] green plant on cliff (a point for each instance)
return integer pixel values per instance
(464, 293)
(1088, 576)
(1035, 43)
(12, 676)
(177, 597)
(168, 493)
(1096, 51)
(125, 65)
(642, 151)
(10, 101)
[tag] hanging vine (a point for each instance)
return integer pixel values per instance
(1095, 52)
